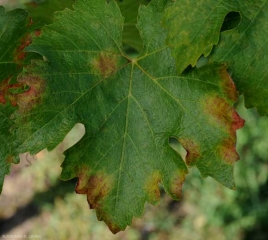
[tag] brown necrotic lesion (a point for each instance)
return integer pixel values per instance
(105, 64)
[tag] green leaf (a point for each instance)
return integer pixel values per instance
(43, 11)
(13, 39)
(194, 28)
(130, 108)
(245, 49)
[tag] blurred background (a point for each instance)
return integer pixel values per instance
(35, 202)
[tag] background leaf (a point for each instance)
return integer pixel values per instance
(245, 49)
(194, 28)
(14, 37)
(193, 32)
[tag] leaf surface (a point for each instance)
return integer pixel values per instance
(130, 108)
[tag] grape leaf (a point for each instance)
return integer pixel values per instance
(130, 108)
(245, 49)
(14, 37)
(193, 31)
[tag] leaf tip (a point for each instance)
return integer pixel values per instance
(228, 151)
(176, 184)
(238, 122)
(97, 186)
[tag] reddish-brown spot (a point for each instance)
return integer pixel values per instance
(177, 184)
(223, 115)
(20, 54)
(2, 98)
(99, 186)
(152, 189)
(238, 122)
(5, 94)
(82, 184)
(13, 102)
(3, 90)
(105, 64)
(228, 151)
(228, 85)
(192, 149)
(32, 96)
(37, 33)
(218, 111)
